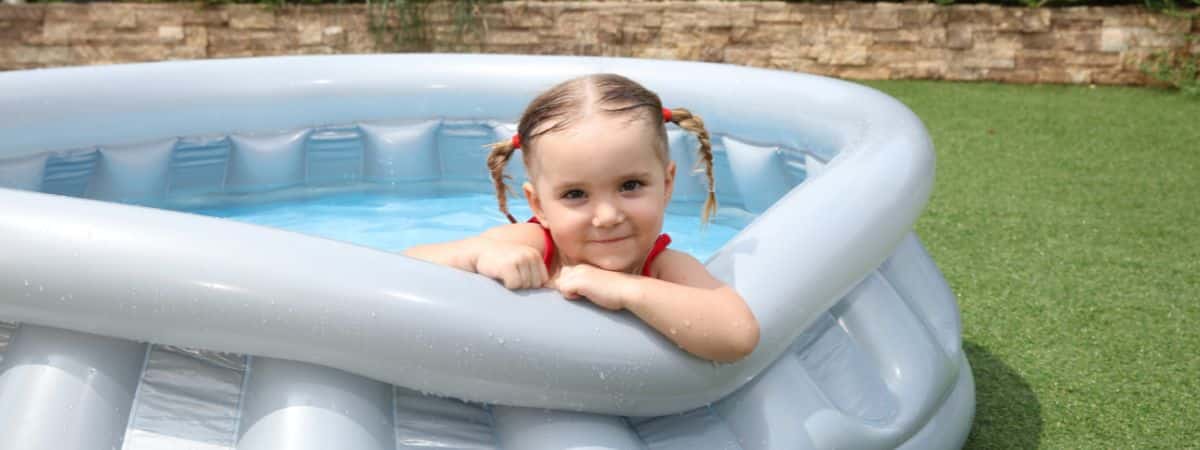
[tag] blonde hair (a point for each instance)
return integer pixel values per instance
(557, 108)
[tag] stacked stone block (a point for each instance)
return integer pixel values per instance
(1103, 45)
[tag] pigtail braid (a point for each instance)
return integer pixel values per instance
(692, 123)
(496, 160)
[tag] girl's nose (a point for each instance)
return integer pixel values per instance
(607, 215)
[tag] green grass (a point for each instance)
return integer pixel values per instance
(1066, 221)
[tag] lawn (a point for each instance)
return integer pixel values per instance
(1066, 220)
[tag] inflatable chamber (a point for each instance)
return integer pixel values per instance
(127, 324)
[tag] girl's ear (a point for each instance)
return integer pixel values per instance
(535, 202)
(670, 180)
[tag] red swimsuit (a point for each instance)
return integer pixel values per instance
(660, 244)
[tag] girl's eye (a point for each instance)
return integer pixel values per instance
(573, 194)
(631, 185)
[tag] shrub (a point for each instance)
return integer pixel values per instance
(1178, 68)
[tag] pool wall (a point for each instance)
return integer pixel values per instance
(162, 133)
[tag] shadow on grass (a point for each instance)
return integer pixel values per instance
(1007, 413)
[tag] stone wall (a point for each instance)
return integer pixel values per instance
(852, 40)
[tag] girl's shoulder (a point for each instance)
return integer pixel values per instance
(681, 268)
(525, 233)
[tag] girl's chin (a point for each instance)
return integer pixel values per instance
(612, 264)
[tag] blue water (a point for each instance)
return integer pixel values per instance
(393, 222)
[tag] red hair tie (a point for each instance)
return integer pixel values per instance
(666, 114)
(516, 141)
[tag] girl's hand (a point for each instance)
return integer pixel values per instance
(517, 266)
(609, 290)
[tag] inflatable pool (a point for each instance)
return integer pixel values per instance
(125, 324)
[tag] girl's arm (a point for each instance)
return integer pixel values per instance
(508, 253)
(682, 301)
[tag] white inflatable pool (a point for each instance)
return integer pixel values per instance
(129, 326)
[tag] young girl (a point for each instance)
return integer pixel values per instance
(595, 151)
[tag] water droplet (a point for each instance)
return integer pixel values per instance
(687, 323)
(26, 283)
(674, 331)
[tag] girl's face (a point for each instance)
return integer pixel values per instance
(601, 190)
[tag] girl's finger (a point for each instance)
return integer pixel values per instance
(538, 269)
(522, 275)
(513, 277)
(526, 275)
(530, 274)
(537, 272)
(567, 287)
(543, 274)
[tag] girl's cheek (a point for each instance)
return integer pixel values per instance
(647, 206)
(575, 216)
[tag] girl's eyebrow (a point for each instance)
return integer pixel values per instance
(639, 174)
(571, 184)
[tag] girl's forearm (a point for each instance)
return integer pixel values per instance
(714, 324)
(458, 254)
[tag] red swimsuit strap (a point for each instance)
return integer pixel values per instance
(660, 244)
(548, 246)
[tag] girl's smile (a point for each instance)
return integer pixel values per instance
(610, 241)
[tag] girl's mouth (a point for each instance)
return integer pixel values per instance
(609, 241)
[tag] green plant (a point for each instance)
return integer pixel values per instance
(1172, 7)
(1178, 68)
(404, 26)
